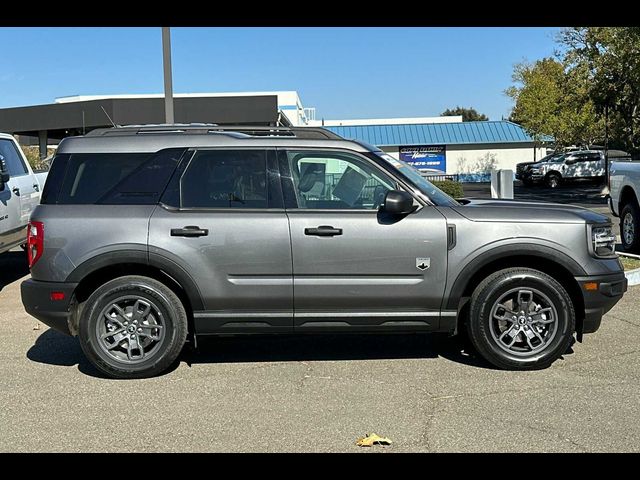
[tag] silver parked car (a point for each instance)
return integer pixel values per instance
(149, 237)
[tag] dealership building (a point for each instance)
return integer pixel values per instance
(467, 149)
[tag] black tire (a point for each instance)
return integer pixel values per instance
(480, 327)
(630, 240)
(165, 309)
(553, 180)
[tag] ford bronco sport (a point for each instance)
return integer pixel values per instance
(150, 236)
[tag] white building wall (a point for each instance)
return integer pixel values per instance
(480, 158)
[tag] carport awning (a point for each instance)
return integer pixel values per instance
(63, 119)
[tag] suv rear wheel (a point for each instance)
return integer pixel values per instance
(629, 228)
(521, 319)
(133, 327)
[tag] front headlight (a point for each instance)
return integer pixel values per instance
(603, 241)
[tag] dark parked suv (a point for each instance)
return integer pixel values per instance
(148, 237)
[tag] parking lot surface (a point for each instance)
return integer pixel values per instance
(316, 393)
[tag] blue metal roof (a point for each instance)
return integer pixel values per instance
(501, 131)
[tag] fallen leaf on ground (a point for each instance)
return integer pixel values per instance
(372, 439)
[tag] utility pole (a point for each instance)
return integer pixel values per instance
(168, 84)
(606, 145)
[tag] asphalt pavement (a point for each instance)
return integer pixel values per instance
(316, 393)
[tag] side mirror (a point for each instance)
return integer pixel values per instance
(398, 203)
(4, 175)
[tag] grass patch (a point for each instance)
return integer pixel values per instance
(629, 263)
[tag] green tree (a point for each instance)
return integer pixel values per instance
(607, 60)
(553, 101)
(468, 114)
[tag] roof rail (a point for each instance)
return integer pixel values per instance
(208, 128)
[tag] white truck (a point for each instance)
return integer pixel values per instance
(20, 190)
(624, 192)
(555, 169)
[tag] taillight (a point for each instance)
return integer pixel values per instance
(35, 242)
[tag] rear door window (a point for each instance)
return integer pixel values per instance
(226, 179)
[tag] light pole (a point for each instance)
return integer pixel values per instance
(168, 84)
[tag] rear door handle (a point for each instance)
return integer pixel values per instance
(189, 231)
(323, 231)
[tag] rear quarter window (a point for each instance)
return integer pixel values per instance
(110, 178)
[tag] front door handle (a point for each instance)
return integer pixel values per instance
(189, 231)
(36, 187)
(16, 190)
(323, 231)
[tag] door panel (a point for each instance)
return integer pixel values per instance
(15, 199)
(228, 236)
(353, 265)
(12, 230)
(242, 267)
(368, 276)
(596, 165)
(28, 196)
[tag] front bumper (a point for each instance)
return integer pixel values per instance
(527, 176)
(610, 203)
(610, 289)
(36, 298)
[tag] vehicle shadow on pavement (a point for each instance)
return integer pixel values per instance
(317, 347)
(13, 266)
(55, 348)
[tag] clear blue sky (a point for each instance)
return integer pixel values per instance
(343, 72)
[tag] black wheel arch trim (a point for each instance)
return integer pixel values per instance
(497, 253)
(143, 258)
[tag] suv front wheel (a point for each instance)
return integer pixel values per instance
(553, 180)
(521, 319)
(133, 327)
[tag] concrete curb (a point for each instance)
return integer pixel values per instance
(633, 276)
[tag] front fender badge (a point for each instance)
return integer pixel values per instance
(422, 263)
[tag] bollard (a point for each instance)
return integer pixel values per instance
(495, 189)
(502, 184)
(506, 184)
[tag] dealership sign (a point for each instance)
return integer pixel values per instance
(426, 156)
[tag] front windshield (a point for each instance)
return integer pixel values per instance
(436, 195)
(558, 157)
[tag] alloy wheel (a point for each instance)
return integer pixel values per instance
(130, 329)
(628, 229)
(523, 321)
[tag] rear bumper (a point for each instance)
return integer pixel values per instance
(36, 298)
(598, 302)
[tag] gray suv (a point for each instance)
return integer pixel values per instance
(150, 237)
